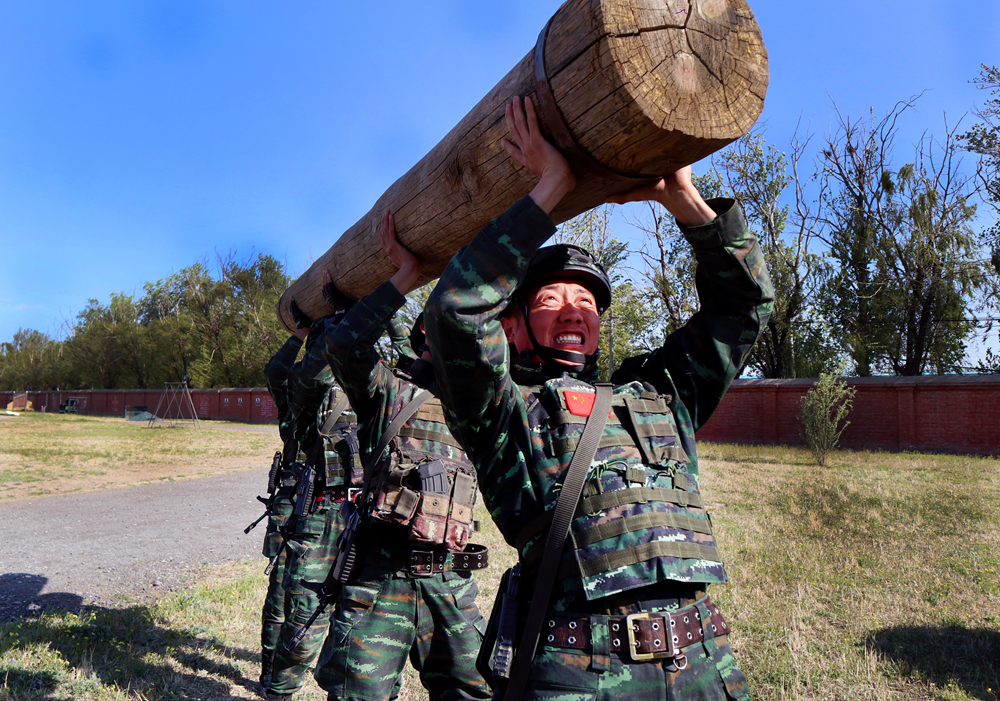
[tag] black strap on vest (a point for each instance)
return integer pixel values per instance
(562, 518)
(334, 416)
(404, 415)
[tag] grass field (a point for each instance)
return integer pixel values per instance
(54, 454)
(873, 578)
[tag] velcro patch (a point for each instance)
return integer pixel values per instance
(580, 403)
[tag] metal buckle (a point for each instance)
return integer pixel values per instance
(353, 492)
(633, 644)
(422, 563)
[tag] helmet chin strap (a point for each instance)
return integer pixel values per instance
(580, 361)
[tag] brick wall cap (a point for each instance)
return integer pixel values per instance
(895, 382)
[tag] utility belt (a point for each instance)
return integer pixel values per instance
(427, 563)
(342, 493)
(638, 637)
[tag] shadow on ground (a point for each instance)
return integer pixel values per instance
(20, 597)
(965, 657)
(49, 653)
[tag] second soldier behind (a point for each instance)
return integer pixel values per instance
(327, 463)
(411, 592)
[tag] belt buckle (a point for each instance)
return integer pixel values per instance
(353, 492)
(422, 563)
(633, 644)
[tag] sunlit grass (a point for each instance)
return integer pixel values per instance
(873, 578)
(60, 453)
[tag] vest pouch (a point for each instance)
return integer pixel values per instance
(429, 523)
(396, 504)
(459, 526)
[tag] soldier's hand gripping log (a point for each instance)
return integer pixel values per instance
(272, 480)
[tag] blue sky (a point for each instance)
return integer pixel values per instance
(138, 137)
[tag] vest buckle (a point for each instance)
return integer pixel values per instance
(655, 637)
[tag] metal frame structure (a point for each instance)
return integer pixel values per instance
(175, 401)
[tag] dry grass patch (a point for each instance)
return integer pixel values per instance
(875, 577)
(55, 454)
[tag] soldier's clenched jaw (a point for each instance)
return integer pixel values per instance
(563, 316)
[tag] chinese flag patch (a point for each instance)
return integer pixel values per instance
(580, 403)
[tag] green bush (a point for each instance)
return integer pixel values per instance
(823, 412)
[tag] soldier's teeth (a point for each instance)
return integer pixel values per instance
(569, 338)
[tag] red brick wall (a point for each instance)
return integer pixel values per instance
(955, 414)
(952, 414)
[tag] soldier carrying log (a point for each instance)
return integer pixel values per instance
(620, 608)
(405, 562)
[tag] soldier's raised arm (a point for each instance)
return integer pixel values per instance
(700, 360)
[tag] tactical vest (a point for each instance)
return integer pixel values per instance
(428, 485)
(340, 439)
(641, 518)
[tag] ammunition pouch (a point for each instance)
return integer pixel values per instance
(433, 498)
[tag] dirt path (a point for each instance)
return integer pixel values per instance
(113, 546)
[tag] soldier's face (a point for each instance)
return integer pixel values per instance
(563, 315)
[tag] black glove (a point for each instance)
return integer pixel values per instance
(301, 320)
(335, 299)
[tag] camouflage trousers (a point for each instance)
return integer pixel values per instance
(312, 551)
(561, 674)
(273, 612)
(383, 617)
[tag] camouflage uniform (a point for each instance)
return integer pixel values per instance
(311, 548)
(641, 540)
(273, 612)
(385, 612)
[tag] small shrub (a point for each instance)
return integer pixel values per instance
(822, 415)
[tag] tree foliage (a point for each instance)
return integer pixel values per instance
(907, 264)
(759, 175)
(214, 331)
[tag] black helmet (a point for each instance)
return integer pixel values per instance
(561, 262)
(564, 261)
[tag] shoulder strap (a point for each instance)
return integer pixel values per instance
(562, 518)
(390, 432)
(335, 413)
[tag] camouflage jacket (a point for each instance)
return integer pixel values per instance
(376, 392)
(521, 440)
(276, 375)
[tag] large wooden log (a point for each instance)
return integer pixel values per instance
(642, 87)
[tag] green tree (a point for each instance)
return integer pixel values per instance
(171, 326)
(32, 360)
(759, 176)
(907, 262)
(984, 140)
(233, 322)
(95, 355)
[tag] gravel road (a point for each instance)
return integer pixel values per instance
(119, 545)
